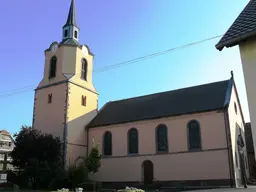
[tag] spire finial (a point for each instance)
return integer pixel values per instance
(232, 74)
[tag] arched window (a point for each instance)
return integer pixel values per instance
(53, 66)
(194, 135)
(84, 69)
(133, 141)
(161, 138)
(107, 143)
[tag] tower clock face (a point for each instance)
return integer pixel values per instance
(54, 48)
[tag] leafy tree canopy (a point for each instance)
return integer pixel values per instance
(36, 154)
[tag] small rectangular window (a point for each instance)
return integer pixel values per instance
(83, 100)
(50, 98)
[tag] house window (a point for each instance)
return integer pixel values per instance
(235, 107)
(53, 65)
(76, 34)
(107, 143)
(133, 143)
(10, 144)
(84, 69)
(66, 33)
(50, 98)
(83, 100)
(194, 135)
(162, 138)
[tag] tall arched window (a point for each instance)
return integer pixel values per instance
(53, 66)
(133, 141)
(161, 138)
(84, 69)
(194, 135)
(107, 143)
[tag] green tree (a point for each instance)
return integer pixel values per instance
(77, 174)
(36, 155)
(93, 162)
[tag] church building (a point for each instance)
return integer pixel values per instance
(192, 136)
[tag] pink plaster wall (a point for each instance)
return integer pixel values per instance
(178, 164)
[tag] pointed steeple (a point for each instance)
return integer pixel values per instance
(71, 29)
(71, 20)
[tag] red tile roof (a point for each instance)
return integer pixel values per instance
(4, 132)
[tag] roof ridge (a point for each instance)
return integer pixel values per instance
(159, 93)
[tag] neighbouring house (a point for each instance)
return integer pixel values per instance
(243, 33)
(6, 146)
(192, 136)
(250, 150)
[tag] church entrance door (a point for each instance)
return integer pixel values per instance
(148, 172)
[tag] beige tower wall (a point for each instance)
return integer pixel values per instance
(50, 118)
(66, 116)
(248, 57)
(59, 71)
(78, 117)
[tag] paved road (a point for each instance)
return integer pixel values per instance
(249, 189)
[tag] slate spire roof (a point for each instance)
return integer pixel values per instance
(242, 28)
(71, 20)
(201, 98)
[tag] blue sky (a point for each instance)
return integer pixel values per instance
(117, 31)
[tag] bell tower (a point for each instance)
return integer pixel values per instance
(66, 100)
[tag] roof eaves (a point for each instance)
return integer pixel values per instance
(234, 41)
